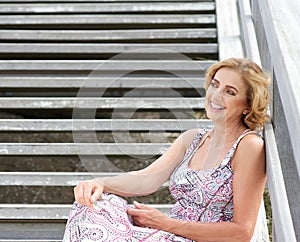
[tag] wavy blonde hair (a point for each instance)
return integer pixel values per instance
(257, 82)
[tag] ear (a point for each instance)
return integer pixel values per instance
(246, 111)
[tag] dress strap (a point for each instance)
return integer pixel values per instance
(246, 132)
(233, 148)
(198, 138)
(195, 143)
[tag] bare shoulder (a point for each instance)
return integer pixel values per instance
(189, 135)
(252, 141)
(250, 152)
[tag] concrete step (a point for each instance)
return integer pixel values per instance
(139, 149)
(123, 7)
(148, 35)
(113, 65)
(87, 21)
(53, 179)
(167, 125)
(126, 103)
(49, 1)
(48, 81)
(106, 50)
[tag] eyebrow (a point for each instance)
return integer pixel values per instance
(214, 79)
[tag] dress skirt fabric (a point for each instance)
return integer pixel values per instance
(109, 222)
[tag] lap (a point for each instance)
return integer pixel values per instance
(109, 222)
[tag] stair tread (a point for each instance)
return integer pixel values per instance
(102, 124)
(106, 7)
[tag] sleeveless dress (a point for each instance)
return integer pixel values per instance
(201, 196)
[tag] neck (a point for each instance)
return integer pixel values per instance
(228, 133)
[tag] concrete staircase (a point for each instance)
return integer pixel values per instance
(92, 88)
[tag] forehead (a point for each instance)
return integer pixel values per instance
(227, 76)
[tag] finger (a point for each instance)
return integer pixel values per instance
(136, 222)
(88, 191)
(141, 206)
(137, 204)
(134, 212)
(78, 193)
(97, 193)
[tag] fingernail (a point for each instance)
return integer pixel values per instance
(138, 203)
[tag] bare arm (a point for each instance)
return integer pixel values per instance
(248, 186)
(141, 182)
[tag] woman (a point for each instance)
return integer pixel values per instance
(217, 177)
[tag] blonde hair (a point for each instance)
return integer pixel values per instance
(257, 82)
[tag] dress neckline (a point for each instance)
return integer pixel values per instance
(225, 161)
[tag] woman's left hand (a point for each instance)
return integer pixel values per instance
(145, 216)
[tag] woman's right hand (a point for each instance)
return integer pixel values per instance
(88, 192)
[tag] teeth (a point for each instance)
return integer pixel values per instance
(216, 106)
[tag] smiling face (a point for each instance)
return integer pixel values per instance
(226, 99)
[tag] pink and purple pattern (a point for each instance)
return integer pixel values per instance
(201, 196)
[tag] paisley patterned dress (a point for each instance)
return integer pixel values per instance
(201, 196)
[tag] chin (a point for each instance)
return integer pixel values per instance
(215, 114)
(216, 118)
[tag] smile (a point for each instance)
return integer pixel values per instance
(216, 106)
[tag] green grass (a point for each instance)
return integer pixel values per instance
(268, 209)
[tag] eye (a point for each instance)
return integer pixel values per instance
(231, 92)
(213, 83)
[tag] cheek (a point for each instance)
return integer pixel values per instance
(238, 105)
(208, 92)
(242, 102)
(207, 95)
(212, 93)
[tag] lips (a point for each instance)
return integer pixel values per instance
(216, 106)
